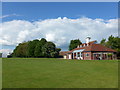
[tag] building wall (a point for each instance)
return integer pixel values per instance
(87, 55)
(65, 57)
(69, 56)
(90, 56)
(103, 55)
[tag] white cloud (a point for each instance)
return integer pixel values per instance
(4, 16)
(60, 30)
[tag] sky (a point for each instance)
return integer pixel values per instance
(58, 22)
(40, 10)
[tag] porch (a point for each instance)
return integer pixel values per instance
(77, 54)
(103, 56)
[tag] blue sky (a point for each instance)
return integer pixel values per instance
(39, 10)
(30, 20)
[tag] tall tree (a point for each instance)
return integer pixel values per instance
(103, 42)
(57, 50)
(74, 44)
(48, 49)
(113, 42)
(38, 48)
(21, 50)
(31, 47)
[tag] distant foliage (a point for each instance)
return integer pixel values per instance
(36, 48)
(0, 55)
(113, 42)
(20, 50)
(103, 42)
(48, 49)
(74, 44)
(31, 48)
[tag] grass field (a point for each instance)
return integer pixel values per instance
(59, 73)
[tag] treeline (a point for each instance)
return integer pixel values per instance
(112, 42)
(0, 55)
(74, 44)
(36, 48)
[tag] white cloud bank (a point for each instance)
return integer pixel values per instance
(60, 30)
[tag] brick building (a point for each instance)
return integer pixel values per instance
(90, 51)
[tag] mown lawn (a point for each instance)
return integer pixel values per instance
(59, 73)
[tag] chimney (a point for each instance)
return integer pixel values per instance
(78, 46)
(88, 40)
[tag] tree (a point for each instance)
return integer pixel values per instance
(49, 49)
(38, 51)
(74, 44)
(57, 52)
(38, 48)
(21, 50)
(31, 47)
(113, 42)
(43, 41)
(103, 42)
(0, 55)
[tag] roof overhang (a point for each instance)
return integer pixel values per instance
(81, 50)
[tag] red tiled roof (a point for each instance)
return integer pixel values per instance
(77, 49)
(92, 47)
(98, 47)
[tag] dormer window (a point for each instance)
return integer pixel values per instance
(88, 44)
(84, 45)
(95, 42)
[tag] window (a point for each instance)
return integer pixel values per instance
(87, 55)
(78, 54)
